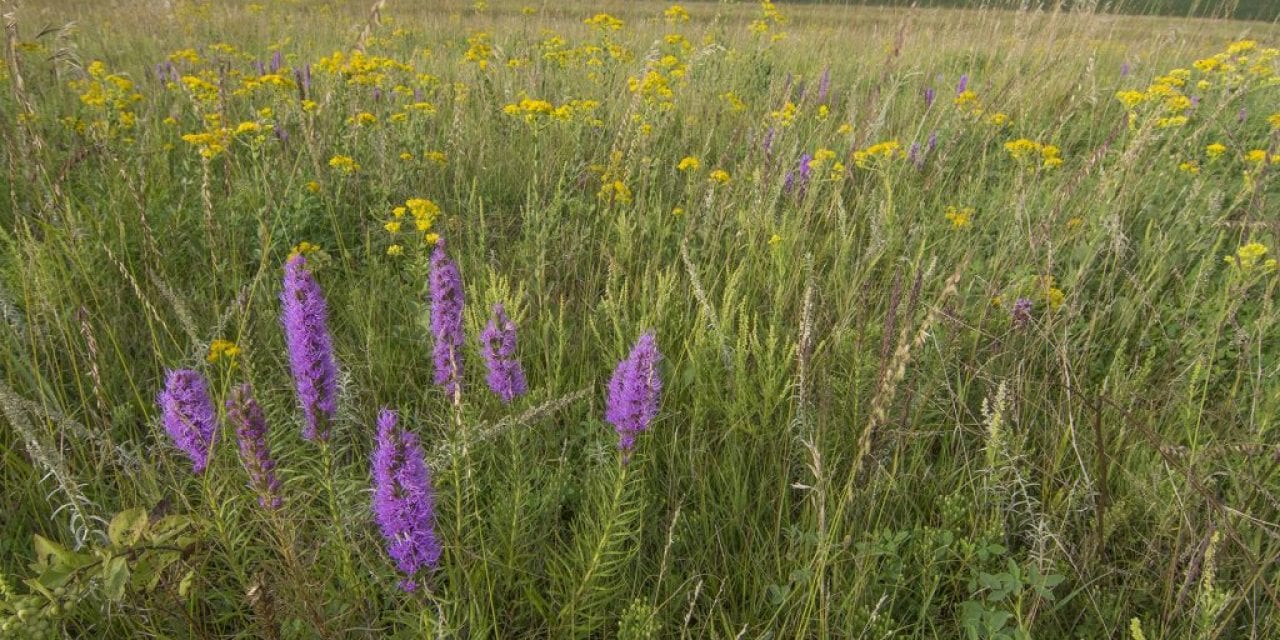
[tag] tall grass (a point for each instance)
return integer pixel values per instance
(857, 437)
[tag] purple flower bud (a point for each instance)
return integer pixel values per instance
(258, 66)
(188, 415)
(277, 61)
(403, 500)
(964, 84)
(798, 179)
(377, 94)
(303, 78)
(634, 392)
(306, 332)
(246, 416)
(161, 73)
(824, 85)
(915, 156)
(933, 141)
(446, 321)
(498, 345)
(1124, 69)
(767, 145)
(1021, 313)
(929, 95)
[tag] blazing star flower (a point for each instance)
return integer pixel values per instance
(798, 179)
(446, 321)
(824, 84)
(188, 415)
(498, 344)
(277, 61)
(964, 84)
(1021, 313)
(1124, 69)
(634, 392)
(403, 500)
(246, 416)
(306, 333)
(929, 95)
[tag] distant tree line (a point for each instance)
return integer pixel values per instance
(1264, 10)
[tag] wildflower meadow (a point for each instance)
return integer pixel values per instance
(630, 319)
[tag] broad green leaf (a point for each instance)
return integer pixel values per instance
(115, 576)
(127, 526)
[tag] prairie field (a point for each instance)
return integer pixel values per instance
(529, 319)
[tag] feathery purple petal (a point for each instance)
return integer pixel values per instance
(446, 321)
(188, 415)
(306, 331)
(634, 392)
(498, 345)
(246, 416)
(403, 500)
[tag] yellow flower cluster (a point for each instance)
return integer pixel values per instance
(960, 217)
(344, 164)
(479, 50)
(676, 13)
(1034, 154)
(887, 150)
(109, 97)
(361, 69)
(689, 163)
(1248, 258)
(423, 212)
(719, 176)
(770, 22)
(541, 111)
(223, 350)
(604, 22)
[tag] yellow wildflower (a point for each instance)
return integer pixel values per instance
(1214, 150)
(222, 350)
(960, 217)
(344, 164)
(689, 163)
(719, 176)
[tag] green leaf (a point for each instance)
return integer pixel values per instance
(167, 527)
(126, 527)
(184, 587)
(48, 553)
(115, 576)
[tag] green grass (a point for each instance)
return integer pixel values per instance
(856, 439)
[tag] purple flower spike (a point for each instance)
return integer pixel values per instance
(1021, 313)
(446, 321)
(929, 95)
(634, 392)
(767, 145)
(259, 67)
(964, 84)
(246, 416)
(824, 85)
(188, 415)
(498, 344)
(403, 500)
(277, 61)
(798, 179)
(306, 333)
(915, 155)
(1124, 69)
